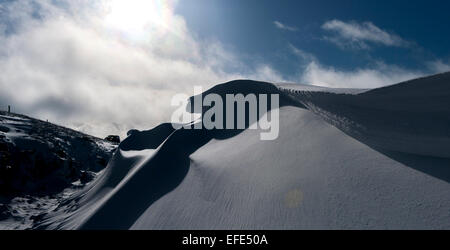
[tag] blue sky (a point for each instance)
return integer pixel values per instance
(107, 66)
(248, 27)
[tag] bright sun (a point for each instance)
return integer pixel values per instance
(134, 16)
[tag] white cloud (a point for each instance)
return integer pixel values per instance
(371, 77)
(72, 68)
(282, 26)
(439, 66)
(305, 56)
(311, 71)
(361, 35)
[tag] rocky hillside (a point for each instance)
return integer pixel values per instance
(40, 158)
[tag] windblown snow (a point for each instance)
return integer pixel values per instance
(344, 159)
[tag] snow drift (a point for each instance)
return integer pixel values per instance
(344, 159)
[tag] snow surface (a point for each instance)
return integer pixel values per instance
(350, 159)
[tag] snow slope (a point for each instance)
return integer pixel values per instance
(42, 163)
(351, 159)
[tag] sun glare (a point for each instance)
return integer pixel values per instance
(135, 16)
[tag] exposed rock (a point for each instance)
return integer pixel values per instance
(113, 138)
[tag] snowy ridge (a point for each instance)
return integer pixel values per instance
(364, 160)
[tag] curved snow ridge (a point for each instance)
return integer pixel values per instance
(133, 180)
(314, 176)
(141, 151)
(168, 166)
(139, 140)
